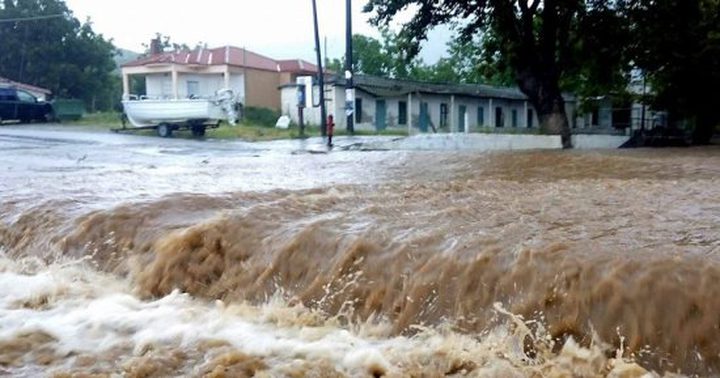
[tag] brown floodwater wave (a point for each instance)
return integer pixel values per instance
(621, 246)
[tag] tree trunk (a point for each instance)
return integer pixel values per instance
(704, 129)
(546, 98)
(553, 118)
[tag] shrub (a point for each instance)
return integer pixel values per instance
(260, 116)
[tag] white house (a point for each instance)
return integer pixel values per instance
(382, 103)
(201, 72)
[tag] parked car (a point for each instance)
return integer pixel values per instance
(20, 105)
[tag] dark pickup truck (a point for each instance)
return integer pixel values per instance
(17, 104)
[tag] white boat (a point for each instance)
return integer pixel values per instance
(170, 114)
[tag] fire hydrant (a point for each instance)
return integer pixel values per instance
(330, 129)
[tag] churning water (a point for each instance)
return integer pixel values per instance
(363, 264)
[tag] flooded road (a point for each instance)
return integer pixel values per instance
(149, 257)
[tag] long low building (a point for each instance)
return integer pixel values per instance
(382, 103)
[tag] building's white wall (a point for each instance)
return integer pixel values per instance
(433, 102)
(392, 108)
(367, 111)
(471, 106)
(311, 115)
(336, 106)
(208, 84)
(581, 141)
(237, 84)
(288, 103)
(159, 85)
(470, 142)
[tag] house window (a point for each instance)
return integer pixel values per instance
(514, 118)
(499, 117)
(358, 110)
(481, 116)
(443, 115)
(193, 88)
(530, 118)
(402, 113)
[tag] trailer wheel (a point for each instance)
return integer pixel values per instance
(198, 131)
(164, 130)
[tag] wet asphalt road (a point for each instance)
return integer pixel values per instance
(53, 162)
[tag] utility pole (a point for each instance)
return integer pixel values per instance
(321, 73)
(349, 84)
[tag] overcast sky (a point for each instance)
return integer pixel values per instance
(281, 29)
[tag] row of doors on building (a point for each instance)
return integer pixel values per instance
(424, 119)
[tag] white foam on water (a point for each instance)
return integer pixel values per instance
(89, 312)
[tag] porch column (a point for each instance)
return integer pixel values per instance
(409, 114)
(226, 77)
(175, 92)
(525, 115)
(467, 122)
(126, 85)
(453, 121)
(491, 114)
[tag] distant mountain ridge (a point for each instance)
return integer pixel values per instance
(123, 56)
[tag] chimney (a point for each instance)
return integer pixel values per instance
(155, 46)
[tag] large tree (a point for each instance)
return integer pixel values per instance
(539, 40)
(386, 57)
(42, 43)
(379, 57)
(677, 46)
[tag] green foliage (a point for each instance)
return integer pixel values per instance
(66, 110)
(101, 121)
(678, 48)
(370, 56)
(260, 116)
(539, 43)
(61, 53)
(375, 57)
(168, 45)
(386, 57)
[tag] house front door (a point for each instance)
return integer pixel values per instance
(424, 120)
(461, 118)
(380, 114)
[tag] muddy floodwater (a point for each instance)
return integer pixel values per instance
(132, 256)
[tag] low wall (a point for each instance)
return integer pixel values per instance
(470, 142)
(585, 142)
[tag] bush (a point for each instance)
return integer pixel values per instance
(260, 116)
(68, 109)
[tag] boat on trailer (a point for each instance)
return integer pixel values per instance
(168, 115)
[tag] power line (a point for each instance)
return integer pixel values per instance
(4, 20)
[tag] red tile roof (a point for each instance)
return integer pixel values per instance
(229, 55)
(26, 87)
(297, 66)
